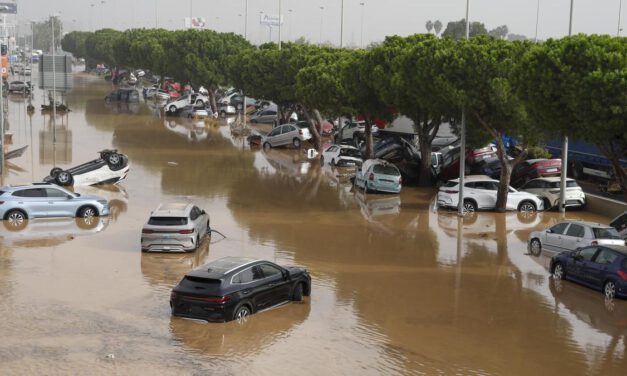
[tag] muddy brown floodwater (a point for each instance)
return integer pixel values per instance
(394, 292)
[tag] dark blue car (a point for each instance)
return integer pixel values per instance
(599, 267)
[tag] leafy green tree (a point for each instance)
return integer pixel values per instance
(405, 74)
(478, 77)
(100, 44)
(429, 26)
(42, 33)
(437, 27)
(74, 43)
(499, 32)
(457, 29)
(577, 87)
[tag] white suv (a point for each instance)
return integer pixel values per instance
(480, 193)
(549, 190)
(197, 99)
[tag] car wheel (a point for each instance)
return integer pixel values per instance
(87, 212)
(558, 271)
(469, 207)
(296, 143)
(546, 203)
(172, 109)
(114, 159)
(64, 178)
(322, 160)
(55, 171)
(223, 114)
(15, 220)
(297, 295)
(199, 102)
(333, 162)
(197, 241)
(267, 146)
(527, 207)
(609, 289)
(241, 313)
(536, 247)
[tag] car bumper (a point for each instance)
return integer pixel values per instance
(168, 244)
(198, 310)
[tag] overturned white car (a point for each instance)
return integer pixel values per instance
(110, 168)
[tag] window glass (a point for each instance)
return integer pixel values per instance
(332, 149)
(286, 129)
(270, 112)
(559, 228)
(470, 185)
(605, 233)
(620, 222)
(606, 257)
(575, 230)
(193, 214)
(385, 170)
(51, 192)
(451, 183)
(167, 221)
(34, 192)
(587, 253)
(245, 276)
(269, 270)
(275, 132)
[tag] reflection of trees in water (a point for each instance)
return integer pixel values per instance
(167, 269)
(6, 263)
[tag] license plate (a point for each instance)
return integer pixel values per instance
(551, 170)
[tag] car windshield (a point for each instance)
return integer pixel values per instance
(605, 233)
(167, 221)
(450, 184)
(385, 170)
(350, 153)
(569, 184)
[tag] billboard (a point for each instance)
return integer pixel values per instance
(271, 19)
(10, 8)
(62, 76)
(195, 22)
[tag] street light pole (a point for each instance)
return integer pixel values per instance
(190, 15)
(562, 208)
(342, 24)
(462, 146)
(535, 39)
(620, 9)
(320, 38)
(361, 34)
(156, 16)
(54, 86)
(280, 24)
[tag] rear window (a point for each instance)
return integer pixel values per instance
(569, 184)
(385, 170)
(167, 221)
(449, 184)
(206, 281)
(350, 153)
(605, 233)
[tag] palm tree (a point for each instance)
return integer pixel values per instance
(429, 26)
(437, 27)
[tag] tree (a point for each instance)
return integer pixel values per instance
(429, 26)
(74, 43)
(478, 77)
(499, 32)
(42, 33)
(100, 44)
(437, 27)
(457, 30)
(577, 86)
(406, 75)
(513, 37)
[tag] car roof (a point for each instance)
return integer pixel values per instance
(532, 161)
(586, 223)
(172, 210)
(221, 267)
(618, 248)
(13, 188)
(552, 179)
(470, 178)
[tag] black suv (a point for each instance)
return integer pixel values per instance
(234, 287)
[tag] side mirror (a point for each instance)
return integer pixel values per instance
(549, 231)
(286, 274)
(69, 197)
(203, 212)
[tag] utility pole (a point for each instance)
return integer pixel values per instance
(342, 25)
(54, 86)
(620, 9)
(535, 39)
(562, 207)
(280, 19)
(462, 147)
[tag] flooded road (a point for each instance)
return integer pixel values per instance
(395, 289)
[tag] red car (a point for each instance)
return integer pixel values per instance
(535, 168)
(450, 169)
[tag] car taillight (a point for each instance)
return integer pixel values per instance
(217, 299)
(186, 232)
(622, 275)
(172, 295)
(300, 132)
(1, 202)
(450, 191)
(146, 231)
(371, 177)
(594, 242)
(400, 180)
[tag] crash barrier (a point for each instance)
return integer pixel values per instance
(604, 206)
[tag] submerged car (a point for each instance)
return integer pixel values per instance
(20, 87)
(620, 224)
(570, 235)
(110, 168)
(177, 227)
(41, 200)
(226, 110)
(287, 134)
(480, 193)
(601, 267)
(378, 175)
(123, 95)
(194, 111)
(535, 168)
(549, 190)
(232, 288)
(341, 156)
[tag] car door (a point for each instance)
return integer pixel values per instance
(287, 134)
(553, 237)
(272, 137)
(276, 287)
(597, 269)
(573, 238)
(34, 200)
(249, 285)
(60, 204)
(330, 153)
(580, 267)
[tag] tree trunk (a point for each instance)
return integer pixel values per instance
(614, 156)
(212, 101)
(368, 136)
(506, 175)
(425, 160)
(317, 140)
(317, 129)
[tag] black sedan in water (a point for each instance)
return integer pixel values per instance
(234, 287)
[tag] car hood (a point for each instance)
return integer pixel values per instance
(296, 271)
(90, 198)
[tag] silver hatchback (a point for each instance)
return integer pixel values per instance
(287, 134)
(178, 227)
(20, 203)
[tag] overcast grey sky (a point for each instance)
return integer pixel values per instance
(380, 17)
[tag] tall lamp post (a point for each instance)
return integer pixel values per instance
(280, 23)
(342, 24)
(562, 207)
(462, 148)
(54, 85)
(361, 33)
(620, 9)
(535, 39)
(320, 38)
